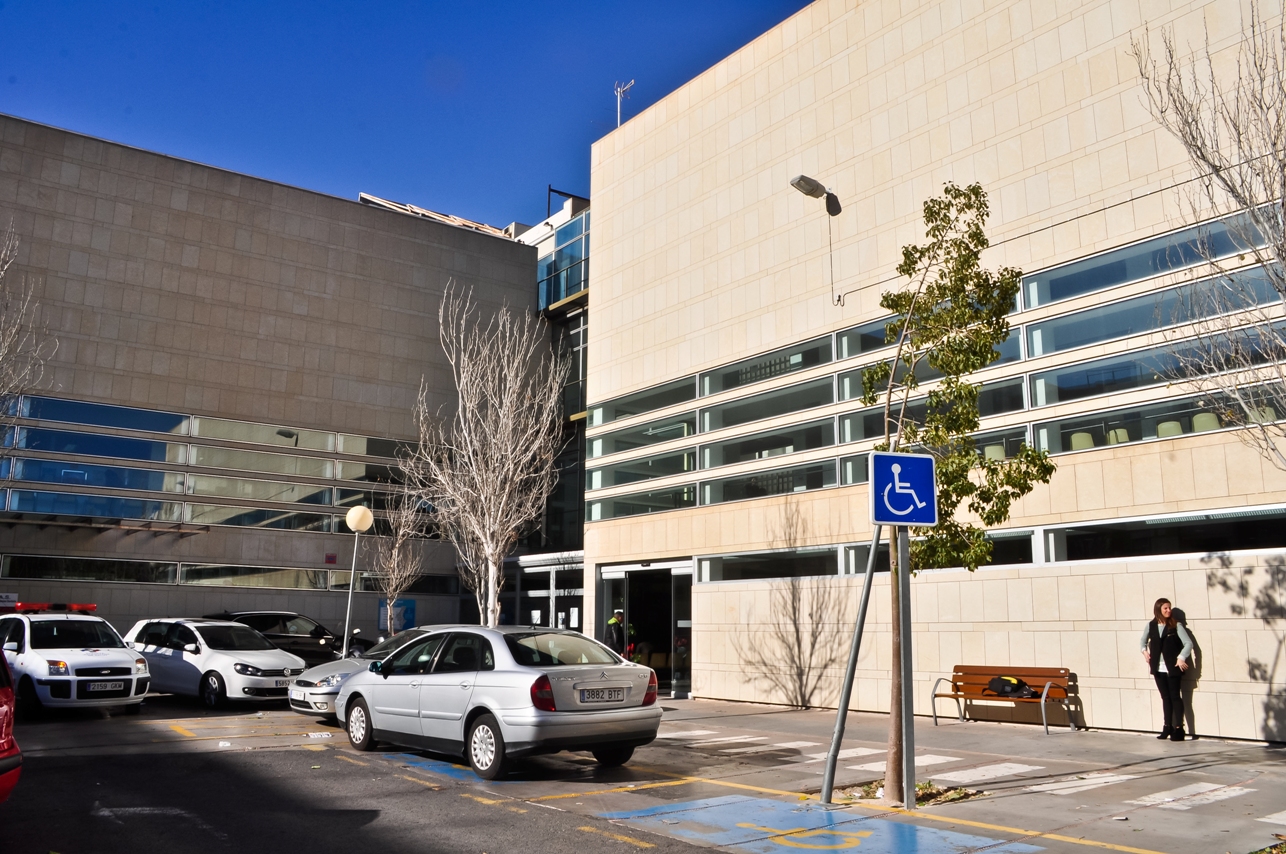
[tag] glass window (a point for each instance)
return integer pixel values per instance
(797, 563)
(368, 473)
(74, 634)
(1185, 248)
(555, 649)
(787, 360)
(1001, 444)
(373, 499)
(775, 482)
(647, 400)
(254, 576)
(1010, 547)
(89, 569)
(652, 433)
(1101, 376)
(97, 506)
(258, 490)
(233, 638)
(854, 469)
(869, 423)
(152, 634)
(385, 647)
(647, 468)
(179, 636)
(465, 653)
(366, 446)
(435, 585)
(1164, 420)
(262, 434)
(99, 445)
(1201, 534)
(228, 458)
(1148, 312)
(413, 659)
(103, 415)
(771, 443)
(299, 625)
(219, 514)
(87, 474)
(850, 382)
(1000, 397)
(569, 231)
(783, 401)
(642, 502)
(866, 338)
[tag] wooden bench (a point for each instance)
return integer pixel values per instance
(970, 683)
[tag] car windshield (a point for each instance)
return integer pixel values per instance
(73, 634)
(386, 647)
(554, 649)
(233, 637)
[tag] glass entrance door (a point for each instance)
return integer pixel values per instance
(657, 606)
(681, 645)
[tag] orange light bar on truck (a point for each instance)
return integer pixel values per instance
(36, 607)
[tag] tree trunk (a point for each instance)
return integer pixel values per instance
(893, 761)
(493, 592)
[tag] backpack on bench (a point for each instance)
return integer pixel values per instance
(1009, 686)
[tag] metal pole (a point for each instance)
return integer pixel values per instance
(841, 716)
(908, 695)
(352, 582)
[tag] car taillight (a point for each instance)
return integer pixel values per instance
(650, 697)
(542, 695)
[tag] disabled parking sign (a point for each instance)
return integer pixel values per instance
(903, 489)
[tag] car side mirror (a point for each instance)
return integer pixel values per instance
(357, 631)
(191, 647)
(11, 646)
(130, 644)
(376, 667)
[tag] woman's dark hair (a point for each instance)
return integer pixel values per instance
(1168, 622)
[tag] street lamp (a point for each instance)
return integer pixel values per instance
(817, 190)
(359, 519)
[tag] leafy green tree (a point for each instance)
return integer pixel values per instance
(950, 318)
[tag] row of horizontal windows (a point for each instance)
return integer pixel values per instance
(92, 506)
(207, 456)
(1127, 371)
(153, 421)
(1170, 253)
(565, 271)
(153, 572)
(1164, 420)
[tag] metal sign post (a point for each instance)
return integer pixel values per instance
(904, 493)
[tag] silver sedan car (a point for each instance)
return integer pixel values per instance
(496, 694)
(316, 689)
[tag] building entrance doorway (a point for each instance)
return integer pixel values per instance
(657, 602)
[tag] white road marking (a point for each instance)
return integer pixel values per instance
(1187, 797)
(986, 772)
(692, 733)
(767, 748)
(928, 759)
(1275, 818)
(115, 813)
(847, 753)
(737, 738)
(1081, 783)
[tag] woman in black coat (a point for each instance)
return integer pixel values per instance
(1167, 649)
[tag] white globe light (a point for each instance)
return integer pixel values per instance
(359, 519)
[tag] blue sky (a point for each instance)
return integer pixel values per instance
(468, 108)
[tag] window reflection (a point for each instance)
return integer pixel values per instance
(771, 443)
(87, 474)
(775, 482)
(781, 402)
(647, 468)
(253, 576)
(88, 569)
(220, 514)
(263, 434)
(94, 506)
(652, 433)
(258, 490)
(103, 415)
(777, 363)
(99, 445)
(228, 458)
(657, 397)
(643, 502)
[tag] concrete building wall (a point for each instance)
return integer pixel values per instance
(705, 255)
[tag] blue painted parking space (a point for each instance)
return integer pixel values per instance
(765, 826)
(434, 766)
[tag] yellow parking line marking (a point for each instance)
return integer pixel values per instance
(425, 783)
(181, 731)
(630, 840)
(315, 747)
(350, 759)
(680, 782)
(482, 800)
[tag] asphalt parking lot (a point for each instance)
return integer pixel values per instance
(725, 776)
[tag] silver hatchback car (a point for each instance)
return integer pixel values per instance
(496, 694)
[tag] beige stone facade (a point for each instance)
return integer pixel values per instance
(704, 256)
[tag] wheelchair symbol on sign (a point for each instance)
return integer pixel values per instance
(901, 488)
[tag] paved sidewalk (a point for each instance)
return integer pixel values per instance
(1068, 791)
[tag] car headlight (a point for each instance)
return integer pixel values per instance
(332, 681)
(140, 666)
(247, 669)
(57, 668)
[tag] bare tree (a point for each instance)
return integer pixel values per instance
(400, 555)
(488, 468)
(1229, 113)
(24, 344)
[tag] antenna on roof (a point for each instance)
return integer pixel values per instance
(622, 91)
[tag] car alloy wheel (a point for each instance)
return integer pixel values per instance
(358, 724)
(486, 748)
